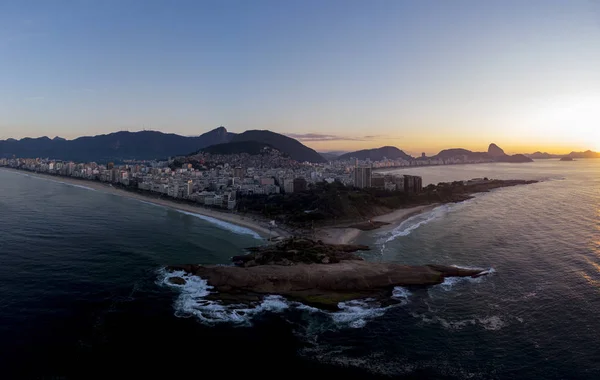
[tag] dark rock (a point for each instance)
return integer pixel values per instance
(177, 281)
(327, 283)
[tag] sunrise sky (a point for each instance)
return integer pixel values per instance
(338, 75)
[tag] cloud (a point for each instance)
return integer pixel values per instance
(323, 137)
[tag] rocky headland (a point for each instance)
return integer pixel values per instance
(314, 273)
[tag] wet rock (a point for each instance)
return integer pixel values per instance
(177, 281)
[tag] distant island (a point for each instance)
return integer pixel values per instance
(567, 158)
(545, 156)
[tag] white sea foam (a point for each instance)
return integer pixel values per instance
(56, 181)
(491, 323)
(450, 282)
(192, 302)
(411, 224)
(357, 313)
(224, 225)
(401, 294)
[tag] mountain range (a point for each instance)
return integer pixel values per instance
(147, 145)
(544, 155)
(150, 145)
(494, 153)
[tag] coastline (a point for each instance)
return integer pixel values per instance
(346, 235)
(236, 219)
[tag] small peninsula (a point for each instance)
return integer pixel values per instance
(314, 273)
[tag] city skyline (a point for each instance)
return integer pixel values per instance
(336, 75)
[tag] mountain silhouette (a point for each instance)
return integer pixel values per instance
(377, 154)
(495, 151)
(147, 145)
(118, 146)
(287, 145)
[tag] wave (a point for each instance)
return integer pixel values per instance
(192, 302)
(414, 222)
(490, 323)
(57, 181)
(224, 225)
(450, 282)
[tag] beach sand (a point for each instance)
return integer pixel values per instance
(346, 235)
(259, 226)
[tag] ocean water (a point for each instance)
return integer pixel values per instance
(82, 294)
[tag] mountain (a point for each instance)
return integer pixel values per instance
(377, 154)
(118, 146)
(586, 154)
(250, 147)
(515, 158)
(287, 145)
(458, 152)
(216, 136)
(542, 156)
(495, 151)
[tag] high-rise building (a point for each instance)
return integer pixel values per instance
(413, 184)
(190, 188)
(362, 176)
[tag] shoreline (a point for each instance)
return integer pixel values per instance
(347, 235)
(235, 219)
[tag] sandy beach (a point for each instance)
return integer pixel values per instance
(330, 235)
(346, 235)
(258, 226)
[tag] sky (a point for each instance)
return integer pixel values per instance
(337, 75)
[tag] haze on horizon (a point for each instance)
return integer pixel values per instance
(337, 75)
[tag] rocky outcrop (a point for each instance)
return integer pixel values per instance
(177, 281)
(295, 251)
(317, 283)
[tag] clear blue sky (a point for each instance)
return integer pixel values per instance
(420, 75)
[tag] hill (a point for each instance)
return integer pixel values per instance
(459, 152)
(249, 147)
(494, 154)
(287, 145)
(586, 154)
(377, 154)
(118, 146)
(515, 158)
(542, 155)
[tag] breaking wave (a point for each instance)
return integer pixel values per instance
(450, 282)
(55, 181)
(224, 225)
(414, 222)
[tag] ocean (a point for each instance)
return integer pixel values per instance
(83, 295)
